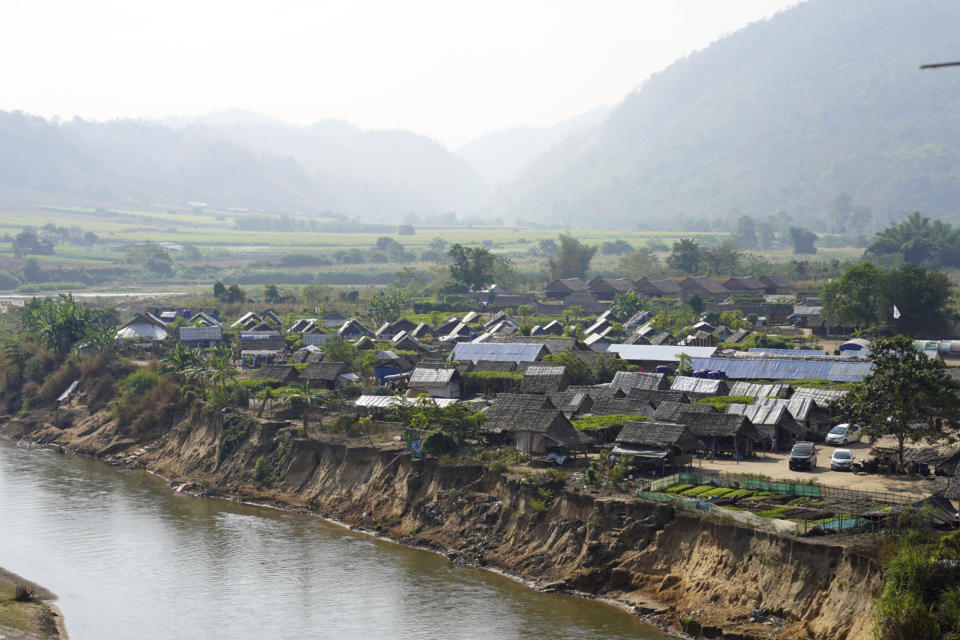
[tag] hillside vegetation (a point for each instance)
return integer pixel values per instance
(786, 114)
(243, 162)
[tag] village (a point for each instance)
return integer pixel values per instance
(616, 402)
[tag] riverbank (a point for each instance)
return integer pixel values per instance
(671, 567)
(31, 619)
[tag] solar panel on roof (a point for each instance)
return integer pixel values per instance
(497, 351)
(777, 369)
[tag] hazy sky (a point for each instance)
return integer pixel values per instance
(450, 69)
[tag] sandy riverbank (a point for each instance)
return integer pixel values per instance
(32, 620)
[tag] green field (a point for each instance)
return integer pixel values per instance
(218, 245)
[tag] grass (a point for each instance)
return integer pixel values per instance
(716, 492)
(697, 491)
(603, 422)
(678, 488)
(738, 493)
(776, 512)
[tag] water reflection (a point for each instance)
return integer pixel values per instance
(130, 559)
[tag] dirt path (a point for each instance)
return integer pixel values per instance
(775, 465)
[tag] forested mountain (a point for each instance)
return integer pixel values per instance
(500, 156)
(248, 162)
(786, 114)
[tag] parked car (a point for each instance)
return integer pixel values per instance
(842, 460)
(803, 456)
(844, 433)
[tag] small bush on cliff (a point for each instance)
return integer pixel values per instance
(236, 430)
(921, 595)
(261, 472)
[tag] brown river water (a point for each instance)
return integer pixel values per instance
(131, 560)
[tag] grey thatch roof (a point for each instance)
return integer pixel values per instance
(279, 372)
(494, 365)
(539, 378)
(426, 378)
(670, 411)
(719, 425)
(638, 380)
(262, 343)
(324, 371)
(657, 434)
(823, 397)
(702, 386)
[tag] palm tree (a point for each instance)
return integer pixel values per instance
(178, 360)
(221, 368)
(265, 395)
(307, 398)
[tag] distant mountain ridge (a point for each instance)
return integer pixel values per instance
(501, 156)
(787, 113)
(238, 160)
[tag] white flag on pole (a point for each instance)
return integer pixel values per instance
(896, 313)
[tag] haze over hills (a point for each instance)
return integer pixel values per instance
(501, 156)
(785, 114)
(236, 159)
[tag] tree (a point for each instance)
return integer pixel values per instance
(27, 242)
(471, 268)
(178, 360)
(865, 296)
(549, 247)
(386, 306)
(854, 298)
(724, 259)
(62, 323)
(220, 369)
(306, 399)
(438, 244)
(686, 256)
(314, 293)
(572, 259)
(579, 371)
(921, 296)
(803, 239)
(336, 349)
(907, 396)
(696, 304)
(919, 241)
(271, 293)
(626, 304)
(684, 364)
(235, 294)
(219, 291)
(745, 235)
(616, 248)
(636, 264)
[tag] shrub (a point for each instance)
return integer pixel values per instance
(722, 402)
(58, 381)
(260, 471)
(22, 593)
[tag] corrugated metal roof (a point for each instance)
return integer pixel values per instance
(789, 352)
(759, 413)
(659, 353)
(627, 380)
(799, 408)
(782, 369)
(822, 397)
(200, 333)
(315, 338)
(801, 310)
(757, 390)
(497, 351)
(689, 384)
(386, 402)
(423, 378)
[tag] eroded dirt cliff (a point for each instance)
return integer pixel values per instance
(668, 565)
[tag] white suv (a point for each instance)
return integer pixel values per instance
(844, 433)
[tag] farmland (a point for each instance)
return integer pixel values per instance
(289, 249)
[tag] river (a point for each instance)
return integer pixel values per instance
(129, 559)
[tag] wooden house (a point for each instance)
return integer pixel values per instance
(657, 287)
(533, 424)
(706, 288)
(777, 285)
(745, 285)
(327, 375)
(563, 287)
(657, 445)
(353, 329)
(606, 287)
(437, 383)
(543, 379)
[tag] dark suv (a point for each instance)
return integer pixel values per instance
(803, 456)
